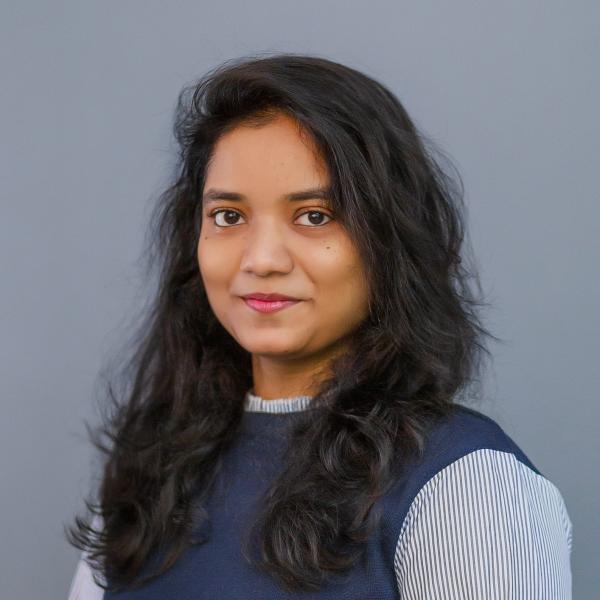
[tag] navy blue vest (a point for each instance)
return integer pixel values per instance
(217, 569)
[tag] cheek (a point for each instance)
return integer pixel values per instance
(342, 289)
(202, 252)
(215, 269)
(214, 265)
(203, 263)
(349, 286)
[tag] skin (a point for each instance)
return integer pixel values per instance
(265, 242)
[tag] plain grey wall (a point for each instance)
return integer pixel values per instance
(509, 89)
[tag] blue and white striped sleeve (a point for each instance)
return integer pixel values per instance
(83, 586)
(486, 526)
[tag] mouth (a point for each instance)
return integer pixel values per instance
(268, 306)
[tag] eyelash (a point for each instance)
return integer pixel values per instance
(214, 213)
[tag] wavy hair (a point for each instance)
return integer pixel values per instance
(176, 403)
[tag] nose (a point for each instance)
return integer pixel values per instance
(266, 250)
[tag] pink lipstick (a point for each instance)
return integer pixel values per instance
(268, 303)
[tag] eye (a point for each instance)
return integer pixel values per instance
(231, 214)
(215, 213)
(316, 212)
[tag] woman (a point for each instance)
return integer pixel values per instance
(291, 427)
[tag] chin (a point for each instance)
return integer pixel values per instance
(270, 347)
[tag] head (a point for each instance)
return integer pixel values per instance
(269, 227)
(375, 260)
(372, 256)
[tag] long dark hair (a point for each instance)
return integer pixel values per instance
(176, 404)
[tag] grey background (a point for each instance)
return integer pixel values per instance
(509, 89)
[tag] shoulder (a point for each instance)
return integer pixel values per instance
(484, 522)
(466, 430)
(447, 440)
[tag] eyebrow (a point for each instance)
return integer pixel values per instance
(321, 193)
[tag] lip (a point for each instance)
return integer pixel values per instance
(268, 306)
(268, 297)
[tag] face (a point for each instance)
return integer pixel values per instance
(257, 236)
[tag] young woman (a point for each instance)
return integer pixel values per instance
(291, 424)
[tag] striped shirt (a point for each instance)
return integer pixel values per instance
(478, 522)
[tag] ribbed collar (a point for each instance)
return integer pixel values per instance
(254, 403)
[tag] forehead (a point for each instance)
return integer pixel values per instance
(279, 154)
